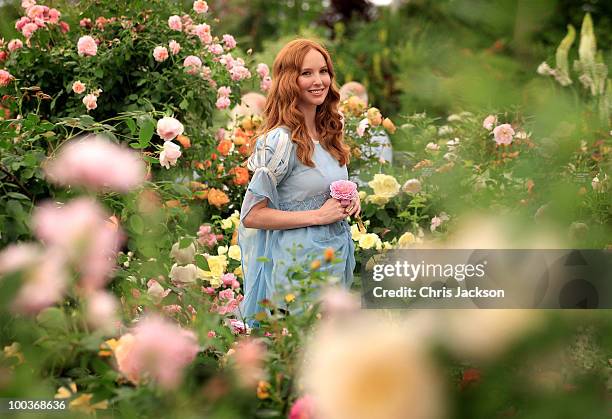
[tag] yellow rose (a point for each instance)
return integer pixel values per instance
(362, 195)
(226, 224)
(370, 240)
(217, 265)
(221, 250)
(384, 185)
(234, 252)
(387, 246)
(374, 117)
(355, 233)
(406, 240)
(377, 199)
(238, 271)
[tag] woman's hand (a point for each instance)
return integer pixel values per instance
(331, 211)
(354, 208)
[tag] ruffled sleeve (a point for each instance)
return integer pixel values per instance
(271, 162)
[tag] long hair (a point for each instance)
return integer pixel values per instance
(282, 104)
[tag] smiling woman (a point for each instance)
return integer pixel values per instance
(287, 211)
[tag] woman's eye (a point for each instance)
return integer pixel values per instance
(305, 73)
(324, 71)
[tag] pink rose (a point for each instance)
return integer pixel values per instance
(54, 15)
(26, 4)
(362, 126)
(215, 49)
(343, 190)
(200, 6)
(23, 20)
(169, 128)
(223, 103)
(229, 41)
(160, 54)
(37, 11)
(85, 23)
(503, 134)
(14, 45)
(489, 122)
(263, 70)
(338, 301)
(220, 134)
(202, 31)
(192, 64)
(102, 309)
(239, 72)
(265, 84)
(303, 408)
(16, 257)
(175, 47)
(87, 46)
(29, 29)
(96, 164)
(64, 27)
(156, 291)
(169, 154)
(172, 309)
(227, 294)
(175, 23)
(158, 349)
(90, 101)
(78, 87)
(5, 78)
(228, 279)
(211, 334)
(249, 356)
(224, 91)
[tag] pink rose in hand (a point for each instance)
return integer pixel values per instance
(343, 190)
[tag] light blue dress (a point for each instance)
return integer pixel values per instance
(289, 185)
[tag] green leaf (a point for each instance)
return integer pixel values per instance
(17, 195)
(137, 224)
(185, 242)
(146, 133)
(99, 73)
(201, 262)
(52, 318)
(131, 125)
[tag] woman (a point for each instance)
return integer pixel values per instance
(287, 212)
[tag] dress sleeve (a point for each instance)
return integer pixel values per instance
(270, 164)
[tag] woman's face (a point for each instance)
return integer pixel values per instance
(314, 79)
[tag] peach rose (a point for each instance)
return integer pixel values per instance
(200, 6)
(160, 54)
(175, 23)
(90, 101)
(168, 128)
(217, 198)
(78, 87)
(87, 46)
(225, 147)
(192, 64)
(175, 47)
(241, 175)
(14, 45)
(5, 78)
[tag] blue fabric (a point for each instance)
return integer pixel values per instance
(289, 185)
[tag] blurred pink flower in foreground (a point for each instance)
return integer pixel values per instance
(338, 301)
(79, 230)
(169, 128)
(97, 164)
(303, 408)
(503, 134)
(249, 361)
(102, 309)
(87, 46)
(157, 349)
(489, 122)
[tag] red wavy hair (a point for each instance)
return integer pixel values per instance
(282, 104)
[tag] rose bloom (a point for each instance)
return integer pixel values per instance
(64, 27)
(200, 6)
(374, 117)
(54, 15)
(90, 101)
(406, 240)
(229, 41)
(102, 309)
(160, 54)
(503, 134)
(78, 87)
(168, 128)
(182, 275)
(157, 348)
(263, 70)
(224, 91)
(384, 185)
(192, 64)
(5, 78)
(87, 46)
(85, 23)
(184, 141)
(223, 103)
(97, 164)
(343, 190)
(29, 29)
(489, 122)
(175, 47)
(202, 31)
(241, 175)
(265, 84)
(303, 408)
(156, 291)
(239, 72)
(14, 45)
(175, 23)
(412, 186)
(225, 147)
(170, 154)
(217, 198)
